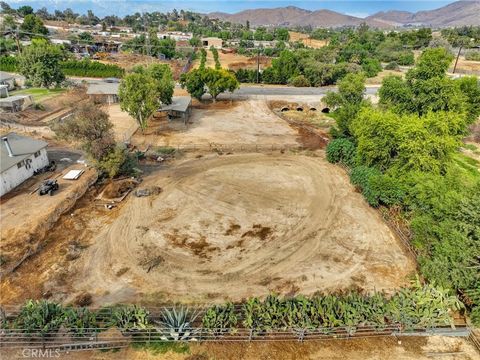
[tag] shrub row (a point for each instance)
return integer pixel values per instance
(420, 306)
(72, 67)
(91, 69)
(215, 58)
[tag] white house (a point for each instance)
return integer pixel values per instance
(20, 157)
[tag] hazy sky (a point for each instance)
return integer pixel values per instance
(122, 7)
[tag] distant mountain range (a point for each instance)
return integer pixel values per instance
(455, 14)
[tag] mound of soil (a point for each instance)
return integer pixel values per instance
(119, 188)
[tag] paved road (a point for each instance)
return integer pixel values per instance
(287, 90)
(246, 90)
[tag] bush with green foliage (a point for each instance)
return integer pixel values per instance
(393, 65)
(90, 68)
(79, 321)
(218, 318)
(299, 81)
(216, 59)
(363, 177)
(472, 55)
(409, 158)
(130, 317)
(40, 316)
(371, 67)
(8, 63)
(341, 150)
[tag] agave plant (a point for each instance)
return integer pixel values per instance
(176, 324)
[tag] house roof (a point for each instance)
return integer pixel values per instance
(11, 99)
(4, 76)
(179, 103)
(22, 147)
(103, 88)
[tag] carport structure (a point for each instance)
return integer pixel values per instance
(179, 108)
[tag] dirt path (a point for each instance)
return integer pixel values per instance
(384, 348)
(240, 122)
(242, 225)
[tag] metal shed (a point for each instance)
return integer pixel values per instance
(179, 108)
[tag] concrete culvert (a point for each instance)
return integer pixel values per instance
(284, 109)
(326, 110)
(299, 108)
(313, 109)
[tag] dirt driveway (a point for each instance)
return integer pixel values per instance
(239, 122)
(27, 217)
(124, 126)
(229, 227)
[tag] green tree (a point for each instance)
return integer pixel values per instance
(348, 101)
(219, 81)
(162, 76)
(433, 63)
(194, 82)
(40, 63)
(25, 10)
(32, 27)
(139, 97)
(85, 37)
(90, 126)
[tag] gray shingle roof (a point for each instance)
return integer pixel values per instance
(4, 76)
(22, 147)
(103, 88)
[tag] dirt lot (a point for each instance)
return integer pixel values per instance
(235, 61)
(241, 225)
(124, 126)
(28, 217)
(468, 66)
(385, 348)
(129, 60)
(304, 38)
(237, 122)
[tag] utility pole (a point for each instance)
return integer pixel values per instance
(456, 61)
(258, 66)
(17, 41)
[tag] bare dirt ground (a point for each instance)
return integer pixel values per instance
(383, 348)
(468, 66)
(224, 122)
(27, 217)
(124, 126)
(234, 61)
(305, 39)
(229, 227)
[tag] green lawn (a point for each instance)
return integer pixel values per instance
(39, 94)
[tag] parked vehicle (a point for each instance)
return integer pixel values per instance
(48, 187)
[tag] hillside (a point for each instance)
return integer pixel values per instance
(455, 14)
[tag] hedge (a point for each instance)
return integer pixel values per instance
(8, 63)
(72, 68)
(91, 69)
